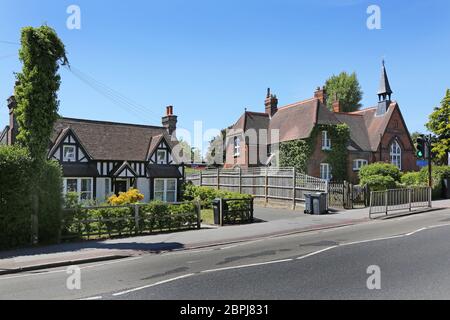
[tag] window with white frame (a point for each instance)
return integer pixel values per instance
(165, 190)
(359, 163)
(396, 154)
(325, 171)
(161, 157)
(326, 141)
(69, 154)
(82, 186)
(237, 146)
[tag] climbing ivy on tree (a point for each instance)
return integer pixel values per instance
(36, 91)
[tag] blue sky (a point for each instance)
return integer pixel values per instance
(211, 59)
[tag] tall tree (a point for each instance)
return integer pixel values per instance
(345, 87)
(439, 125)
(41, 54)
(36, 92)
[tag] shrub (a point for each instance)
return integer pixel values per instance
(379, 182)
(439, 174)
(411, 179)
(380, 169)
(129, 197)
(50, 202)
(15, 200)
(206, 195)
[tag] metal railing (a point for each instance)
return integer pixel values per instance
(234, 211)
(110, 221)
(399, 199)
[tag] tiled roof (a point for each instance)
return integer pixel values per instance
(112, 141)
(296, 121)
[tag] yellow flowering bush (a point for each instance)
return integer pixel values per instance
(129, 197)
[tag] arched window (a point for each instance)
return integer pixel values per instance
(396, 154)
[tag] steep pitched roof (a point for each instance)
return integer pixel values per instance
(296, 121)
(109, 140)
(385, 87)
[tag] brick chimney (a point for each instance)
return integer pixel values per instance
(271, 103)
(321, 94)
(169, 121)
(13, 126)
(336, 105)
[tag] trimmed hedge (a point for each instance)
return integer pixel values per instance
(16, 189)
(50, 202)
(380, 169)
(15, 200)
(109, 221)
(206, 195)
(380, 176)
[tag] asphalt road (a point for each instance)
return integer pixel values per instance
(412, 254)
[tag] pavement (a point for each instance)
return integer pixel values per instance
(271, 223)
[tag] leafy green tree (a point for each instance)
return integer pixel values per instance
(344, 87)
(36, 92)
(439, 125)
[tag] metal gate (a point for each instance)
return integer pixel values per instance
(347, 196)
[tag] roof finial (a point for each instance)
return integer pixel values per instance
(268, 93)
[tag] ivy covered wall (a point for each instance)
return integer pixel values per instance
(298, 153)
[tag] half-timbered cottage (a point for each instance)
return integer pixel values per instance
(101, 158)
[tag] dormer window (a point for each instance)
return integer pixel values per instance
(326, 141)
(161, 157)
(237, 146)
(69, 154)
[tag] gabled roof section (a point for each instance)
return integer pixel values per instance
(376, 125)
(62, 137)
(252, 120)
(126, 170)
(111, 141)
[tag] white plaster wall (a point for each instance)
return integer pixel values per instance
(143, 184)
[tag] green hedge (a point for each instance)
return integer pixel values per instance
(412, 179)
(15, 200)
(16, 189)
(109, 221)
(50, 202)
(380, 183)
(206, 195)
(380, 169)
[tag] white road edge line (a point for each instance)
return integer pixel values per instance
(247, 265)
(92, 298)
(152, 285)
(315, 253)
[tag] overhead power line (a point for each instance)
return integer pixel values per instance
(116, 97)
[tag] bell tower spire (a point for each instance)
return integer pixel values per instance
(384, 92)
